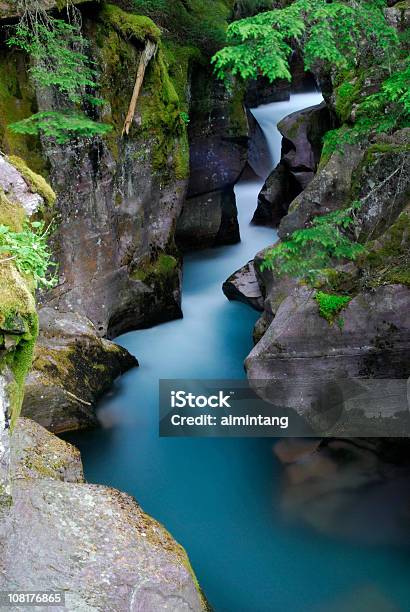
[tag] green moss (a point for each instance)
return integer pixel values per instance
(18, 101)
(201, 23)
(388, 259)
(332, 141)
(330, 305)
(179, 60)
(17, 310)
(164, 96)
(131, 27)
(181, 159)
(346, 94)
(238, 123)
(11, 214)
(163, 267)
(160, 110)
(36, 182)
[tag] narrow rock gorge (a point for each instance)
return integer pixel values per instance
(174, 175)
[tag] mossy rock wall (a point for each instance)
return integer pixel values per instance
(119, 198)
(18, 330)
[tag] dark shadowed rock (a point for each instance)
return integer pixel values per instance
(261, 325)
(302, 133)
(243, 286)
(273, 200)
(93, 542)
(72, 368)
(208, 220)
(377, 177)
(329, 190)
(218, 136)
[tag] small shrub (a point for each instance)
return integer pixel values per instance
(309, 251)
(58, 52)
(29, 251)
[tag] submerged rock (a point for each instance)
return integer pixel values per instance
(72, 368)
(94, 543)
(348, 488)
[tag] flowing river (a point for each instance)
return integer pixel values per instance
(220, 498)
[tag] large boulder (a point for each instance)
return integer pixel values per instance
(92, 542)
(302, 134)
(305, 363)
(377, 177)
(72, 368)
(328, 191)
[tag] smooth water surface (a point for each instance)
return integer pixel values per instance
(220, 497)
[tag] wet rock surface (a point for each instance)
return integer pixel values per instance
(93, 542)
(72, 368)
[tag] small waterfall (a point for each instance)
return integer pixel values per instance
(269, 115)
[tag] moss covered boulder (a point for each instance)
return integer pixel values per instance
(72, 367)
(19, 197)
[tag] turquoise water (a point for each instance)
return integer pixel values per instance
(220, 498)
